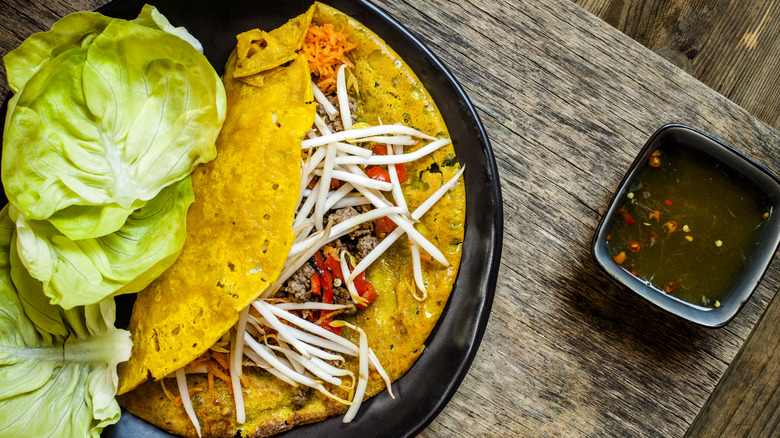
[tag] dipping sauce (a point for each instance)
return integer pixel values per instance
(688, 226)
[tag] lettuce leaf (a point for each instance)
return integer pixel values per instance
(151, 17)
(80, 272)
(75, 30)
(107, 113)
(58, 367)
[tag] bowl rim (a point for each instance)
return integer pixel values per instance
(759, 263)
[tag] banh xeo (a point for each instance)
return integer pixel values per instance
(239, 230)
(377, 223)
(107, 120)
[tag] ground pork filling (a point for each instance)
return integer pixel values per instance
(357, 243)
(335, 123)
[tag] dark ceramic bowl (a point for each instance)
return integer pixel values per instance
(766, 244)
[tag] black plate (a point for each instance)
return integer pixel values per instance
(427, 387)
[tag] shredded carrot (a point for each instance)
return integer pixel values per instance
(221, 359)
(326, 49)
(218, 373)
(202, 359)
(211, 382)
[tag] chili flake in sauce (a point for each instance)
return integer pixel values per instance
(713, 203)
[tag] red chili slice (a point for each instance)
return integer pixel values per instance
(319, 262)
(626, 216)
(315, 285)
(401, 171)
(383, 226)
(335, 267)
(327, 287)
(365, 289)
(378, 173)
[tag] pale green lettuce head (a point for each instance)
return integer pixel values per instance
(107, 113)
(58, 367)
(109, 119)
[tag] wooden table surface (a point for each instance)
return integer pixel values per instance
(568, 101)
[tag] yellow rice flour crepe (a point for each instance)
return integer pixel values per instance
(258, 51)
(239, 229)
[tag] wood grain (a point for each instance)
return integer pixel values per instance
(567, 101)
(21, 18)
(567, 104)
(747, 400)
(732, 46)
